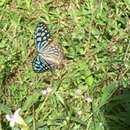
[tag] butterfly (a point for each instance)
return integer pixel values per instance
(49, 55)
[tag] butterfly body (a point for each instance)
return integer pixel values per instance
(49, 55)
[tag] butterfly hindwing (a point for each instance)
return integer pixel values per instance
(42, 36)
(39, 64)
(53, 56)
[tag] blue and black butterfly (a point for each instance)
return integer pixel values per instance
(49, 55)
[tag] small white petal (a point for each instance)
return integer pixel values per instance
(78, 93)
(89, 99)
(8, 117)
(79, 113)
(12, 123)
(17, 112)
(44, 92)
(49, 90)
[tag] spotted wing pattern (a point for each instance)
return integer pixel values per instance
(42, 36)
(39, 64)
(49, 54)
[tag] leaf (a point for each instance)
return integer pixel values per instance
(108, 92)
(4, 109)
(30, 101)
(60, 98)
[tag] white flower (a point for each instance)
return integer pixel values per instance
(79, 113)
(78, 93)
(89, 99)
(15, 119)
(46, 91)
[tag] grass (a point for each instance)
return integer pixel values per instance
(95, 37)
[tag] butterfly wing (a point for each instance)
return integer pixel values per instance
(53, 55)
(42, 36)
(39, 64)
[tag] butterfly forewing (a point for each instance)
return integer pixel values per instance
(42, 36)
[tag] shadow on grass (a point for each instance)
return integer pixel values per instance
(117, 111)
